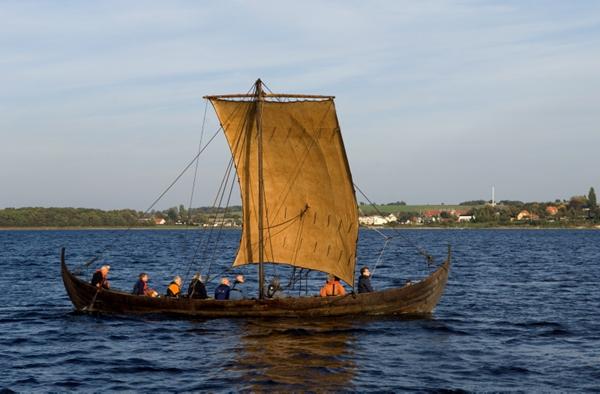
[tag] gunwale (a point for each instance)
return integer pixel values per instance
(415, 299)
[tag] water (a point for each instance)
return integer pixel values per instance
(520, 313)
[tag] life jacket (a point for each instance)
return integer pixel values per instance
(333, 288)
(173, 290)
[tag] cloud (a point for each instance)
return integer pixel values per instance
(429, 93)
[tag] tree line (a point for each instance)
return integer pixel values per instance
(67, 217)
(87, 217)
(577, 209)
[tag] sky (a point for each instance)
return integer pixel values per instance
(101, 102)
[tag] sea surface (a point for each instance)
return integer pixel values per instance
(521, 312)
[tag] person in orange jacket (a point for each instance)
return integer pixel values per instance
(333, 287)
(174, 288)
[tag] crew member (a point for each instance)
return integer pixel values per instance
(174, 288)
(222, 291)
(364, 281)
(332, 287)
(100, 277)
(274, 289)
(196, 288)
(236, 292)
(141, 286)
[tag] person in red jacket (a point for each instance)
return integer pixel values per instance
(100, 277)
(333, 287)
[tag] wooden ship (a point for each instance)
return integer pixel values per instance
(298, 208)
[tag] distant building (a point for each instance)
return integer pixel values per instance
(526, 215)
(221, 222)
(377, 220)
(466, 218)
(414, 220)
(160, 221)
(432, 213)
(551, 210)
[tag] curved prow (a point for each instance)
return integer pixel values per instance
(70, 282)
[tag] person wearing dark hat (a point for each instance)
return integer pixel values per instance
(364, 281)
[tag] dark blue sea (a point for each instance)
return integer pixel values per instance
(521, 312)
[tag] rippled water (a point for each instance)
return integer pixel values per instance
(520, 312)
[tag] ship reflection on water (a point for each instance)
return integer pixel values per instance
(293, 355)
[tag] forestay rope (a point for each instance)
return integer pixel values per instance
(194, 160)
(217, 205)
(422, 251)
(107, 248)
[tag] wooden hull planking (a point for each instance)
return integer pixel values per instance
(417, 298)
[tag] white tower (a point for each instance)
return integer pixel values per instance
(493, 196)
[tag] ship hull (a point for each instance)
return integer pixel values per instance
(413, 299)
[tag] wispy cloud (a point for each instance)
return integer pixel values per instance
(437, 100)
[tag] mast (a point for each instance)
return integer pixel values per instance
(261, 189)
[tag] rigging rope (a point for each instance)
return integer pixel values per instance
(189, 211)
(107, 248)
(197, 162)
(220, 228)
(380, 256)
(207, 239)
(219, 198)
(194, 160)
(423, 252)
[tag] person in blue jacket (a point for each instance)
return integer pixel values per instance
(222, 291)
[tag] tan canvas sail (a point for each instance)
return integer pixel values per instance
(310, 211)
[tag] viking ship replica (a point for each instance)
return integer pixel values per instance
(298, 208)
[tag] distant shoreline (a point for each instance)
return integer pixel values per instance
(190, 228)
(75, 228)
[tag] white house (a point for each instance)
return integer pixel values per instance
(391, 218)
(376, 220)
